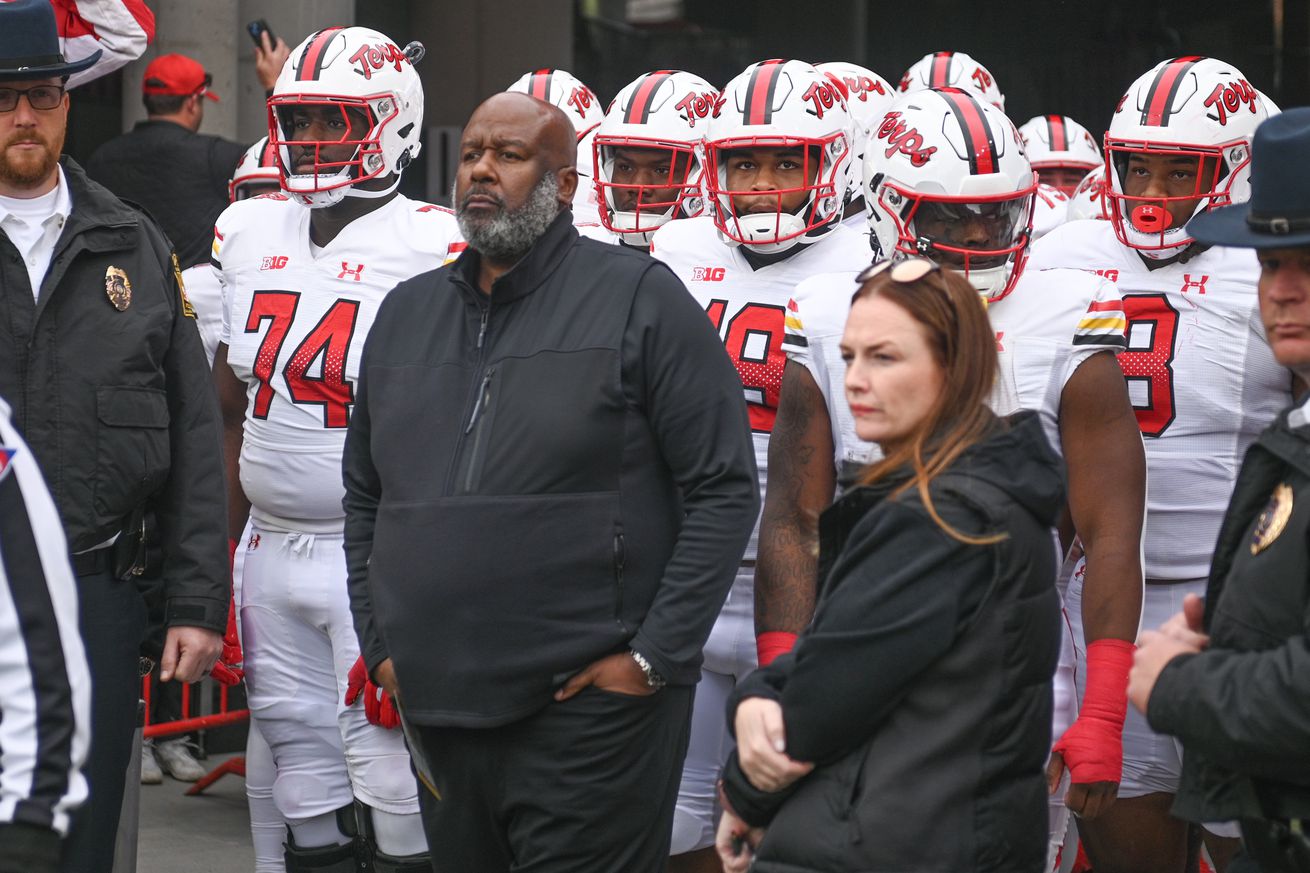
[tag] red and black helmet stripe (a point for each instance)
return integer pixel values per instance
(760, 91)
(1160, 96)
(939, 74)
(311, 62)
(268, 157)
(539, 84)
(978, 140)
(638, 111)
(1059, 133)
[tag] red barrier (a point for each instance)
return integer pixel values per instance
(189, 722)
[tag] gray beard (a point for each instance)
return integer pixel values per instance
(508, 236)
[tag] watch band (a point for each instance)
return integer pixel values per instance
(653, 679)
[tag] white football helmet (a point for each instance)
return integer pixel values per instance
(952, 70)
(666, 111)
(1088, 200)
(1050, 210)
(868, 96)
(564, 90)
(777, 104)
(1191, 107)
(945, 176)
(1057, 142)
(258, 166)
(346, 68)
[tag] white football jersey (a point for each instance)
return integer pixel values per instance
(294, 321)
(749, 306)
(1046, 327)
(1200, 374)
(206, 297)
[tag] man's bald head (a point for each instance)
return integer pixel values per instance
(543, 124)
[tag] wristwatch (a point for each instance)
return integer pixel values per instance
(654, 680)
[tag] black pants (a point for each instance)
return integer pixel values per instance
(112, 618)
(584, 786)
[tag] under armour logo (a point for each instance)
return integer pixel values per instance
(355, 273)
(1000, 335)
(1197, 285)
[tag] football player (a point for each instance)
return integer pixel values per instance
(778, 155)
(646, 156)
(563, 89)
(1200, 373)
(958, 188)
(301, 287)
(1060, 149)
(1088, 200)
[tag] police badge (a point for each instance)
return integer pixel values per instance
(1273, 519)
(118, 287)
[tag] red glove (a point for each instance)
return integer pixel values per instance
(227, 669)
(379, 708)
(770, 644)
(1092, 747)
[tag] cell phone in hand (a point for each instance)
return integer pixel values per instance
(258, 27)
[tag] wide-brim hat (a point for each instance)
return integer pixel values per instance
(29, 43)
(1278, 214)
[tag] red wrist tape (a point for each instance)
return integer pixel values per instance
(1092, 747)
(770, 644)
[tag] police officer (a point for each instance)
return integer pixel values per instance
(1230, 676)
(103, 366)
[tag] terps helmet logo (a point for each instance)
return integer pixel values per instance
(823, 96)
(906, 140)
(374, 57)
(581, 100)
(696, 106)
(860, 87)
(981, 79)
(1229, 97)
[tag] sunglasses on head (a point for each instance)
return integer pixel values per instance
(901, 271)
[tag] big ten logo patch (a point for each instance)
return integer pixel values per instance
(707, 274)
(370, 58)
(1228, 98)
(695, 106)
(822, 96)
(902, 138)
(1110, 275)
(273, 262)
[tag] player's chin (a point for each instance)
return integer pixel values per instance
(1291, 347)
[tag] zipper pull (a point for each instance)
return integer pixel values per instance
(483, 391)
(482, 331)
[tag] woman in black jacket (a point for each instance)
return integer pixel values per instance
(908, 729)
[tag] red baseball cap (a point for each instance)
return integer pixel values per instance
(178, 75)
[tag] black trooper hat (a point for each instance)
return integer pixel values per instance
(29, 43)
(1278, 214)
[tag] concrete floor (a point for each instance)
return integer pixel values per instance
(205, 834)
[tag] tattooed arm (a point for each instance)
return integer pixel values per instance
(801, 483)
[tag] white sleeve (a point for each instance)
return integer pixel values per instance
(45, 686)
(121, 29)
(1102, 327)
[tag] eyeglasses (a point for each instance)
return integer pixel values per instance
(902, 271)
(40, 97)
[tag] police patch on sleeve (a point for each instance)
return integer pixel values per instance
(187, 309)
(1273, 519)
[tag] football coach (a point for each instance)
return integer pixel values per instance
(549, 485)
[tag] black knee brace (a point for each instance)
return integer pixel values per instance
(349, 858)
(382, 862)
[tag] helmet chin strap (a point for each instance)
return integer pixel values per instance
(370, 194)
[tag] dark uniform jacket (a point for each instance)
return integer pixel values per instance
(541, 478)
(1242, 707)
(118, 406)
(179, 176)
(922, 688)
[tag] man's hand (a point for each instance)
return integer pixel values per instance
(1154, 651)
(189, 653)
(1186, 626)
(269, 59)
(384, 675)
(618, 673)
(762, 745)
(735, 842)
(379, 706)
(1084, 799)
